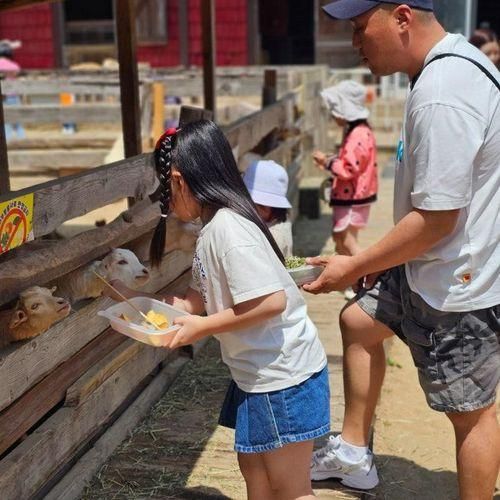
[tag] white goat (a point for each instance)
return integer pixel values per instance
(119, 264)
(35, 312)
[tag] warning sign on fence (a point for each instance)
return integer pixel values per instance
(16, 222)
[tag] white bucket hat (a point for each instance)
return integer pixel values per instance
(267, 183)
(346, 100)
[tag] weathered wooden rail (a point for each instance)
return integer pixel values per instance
(80, 383)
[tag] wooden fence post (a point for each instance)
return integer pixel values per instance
(269, 96)
(209, 52)
(4, 160)
(129, 81)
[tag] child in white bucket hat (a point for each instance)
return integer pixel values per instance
(267, 183)
(354, 169)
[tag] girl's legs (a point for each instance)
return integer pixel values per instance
(289, 473)
(254, 472)
(282, 474)
(346, 242)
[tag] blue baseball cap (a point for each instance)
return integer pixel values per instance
(347, 9)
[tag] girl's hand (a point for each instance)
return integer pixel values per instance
(320, 159)
(192, 330)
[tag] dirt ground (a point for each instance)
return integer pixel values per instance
(179, 451)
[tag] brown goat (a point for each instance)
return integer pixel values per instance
(35, 312)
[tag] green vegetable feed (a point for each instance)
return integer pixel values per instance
(295, 262)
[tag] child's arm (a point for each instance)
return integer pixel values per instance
(191, 302)
(239, 317)
(353, 160)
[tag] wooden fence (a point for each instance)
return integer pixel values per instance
(97, 101)
(71, 395)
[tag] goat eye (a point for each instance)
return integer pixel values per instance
(34, 306)
(122, 263)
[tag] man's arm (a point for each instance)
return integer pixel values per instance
(413, 235)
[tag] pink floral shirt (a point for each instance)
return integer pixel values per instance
(355, 169)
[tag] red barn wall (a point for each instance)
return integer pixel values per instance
(33, 26)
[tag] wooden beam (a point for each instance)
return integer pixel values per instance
(209, 54)
(100, 371)
(20, 417)
(247, 132)
(253, 32)
(183, 34)
(74, 481)
(64, 199)
(4, 159)
(58, 33)
(269, 96)
(50, 446)
(52, 159)
(47, 264)
(51, 86)
(129, 81)
(191, 114)
(158, 122)
(51, 113)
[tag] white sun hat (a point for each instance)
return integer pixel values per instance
(267, 183)
(346, 100)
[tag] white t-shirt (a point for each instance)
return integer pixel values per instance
(450, 159)
(282, 233)
(234, 263)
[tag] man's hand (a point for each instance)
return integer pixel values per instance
(339, 273)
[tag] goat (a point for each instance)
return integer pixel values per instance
(119, 264)
(35, 312)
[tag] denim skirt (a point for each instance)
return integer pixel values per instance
(266, 421)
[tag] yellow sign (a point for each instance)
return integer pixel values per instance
(16, 222)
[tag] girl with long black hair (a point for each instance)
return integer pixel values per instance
(278, 400)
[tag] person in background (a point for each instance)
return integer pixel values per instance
(486, 41)
(434, 279)
(354, 169)
(10, 69)
(267, 183)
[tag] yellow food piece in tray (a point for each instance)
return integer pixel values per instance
(160, 320)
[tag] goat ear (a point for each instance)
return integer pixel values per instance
(18, 318)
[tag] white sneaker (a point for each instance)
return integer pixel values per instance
(328, 462)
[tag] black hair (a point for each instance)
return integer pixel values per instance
(163, 162)
(482, 36)
(356, 123)
(203, 156)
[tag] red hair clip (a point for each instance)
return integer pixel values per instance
(169, 132)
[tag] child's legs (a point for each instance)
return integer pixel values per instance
(288, 470)
(254, 472)
(346, 242)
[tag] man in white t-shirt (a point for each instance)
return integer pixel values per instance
(434, 279)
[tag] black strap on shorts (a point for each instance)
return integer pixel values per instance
(450, 54)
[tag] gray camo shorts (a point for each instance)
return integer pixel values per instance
(457, 354)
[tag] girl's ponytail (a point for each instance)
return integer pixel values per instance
(163, 163)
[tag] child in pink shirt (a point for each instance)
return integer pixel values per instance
(354, 169)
